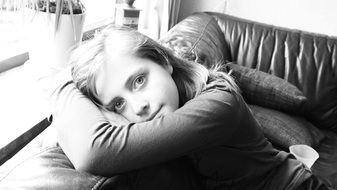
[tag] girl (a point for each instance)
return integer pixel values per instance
(131, 104)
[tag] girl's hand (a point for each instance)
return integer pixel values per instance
(114, 117)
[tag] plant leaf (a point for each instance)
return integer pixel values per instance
(81, 5)
(58, 12)
(48, 3)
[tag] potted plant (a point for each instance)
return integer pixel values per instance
(54, 27)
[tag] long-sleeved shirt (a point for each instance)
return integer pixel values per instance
(215, 129)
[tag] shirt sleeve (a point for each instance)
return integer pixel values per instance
(102, 147)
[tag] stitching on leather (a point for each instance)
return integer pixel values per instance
(28, 158)
(333, 61)
(273, 54)
(98, 183)
(287, 66)
(262, 38)
(201, 35)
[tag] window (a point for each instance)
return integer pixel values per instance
(22, 105)
(98, 13)
(13, 36)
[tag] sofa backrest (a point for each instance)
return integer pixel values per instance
(307, 60)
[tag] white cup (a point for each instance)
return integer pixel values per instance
(304, 153)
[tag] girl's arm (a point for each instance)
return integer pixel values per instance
(95, 145)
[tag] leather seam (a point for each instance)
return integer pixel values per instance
(201, 35)
(99, 183)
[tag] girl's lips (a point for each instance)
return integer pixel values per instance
(153, 115)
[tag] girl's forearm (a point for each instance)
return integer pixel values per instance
(106, 148)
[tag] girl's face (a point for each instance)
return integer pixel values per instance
(137, 88)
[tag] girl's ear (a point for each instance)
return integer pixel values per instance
(169, 68)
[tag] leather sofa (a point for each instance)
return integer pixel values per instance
(306, 60)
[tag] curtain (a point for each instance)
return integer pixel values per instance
(174, 7)
(170, 11)
(157, 16)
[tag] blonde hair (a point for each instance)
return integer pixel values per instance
(190, 77)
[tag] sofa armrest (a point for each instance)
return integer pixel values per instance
(49, 168)
(198, 38)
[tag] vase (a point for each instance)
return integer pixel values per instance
(48, 47)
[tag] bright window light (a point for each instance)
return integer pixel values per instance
(13, 35)
(12, 38)
(18, 114)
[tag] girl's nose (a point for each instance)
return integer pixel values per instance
(140, 106)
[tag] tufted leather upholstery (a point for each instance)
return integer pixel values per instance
(307, 60)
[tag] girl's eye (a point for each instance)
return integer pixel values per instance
(118, 105)
(139, 81)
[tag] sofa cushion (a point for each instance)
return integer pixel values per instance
(267, 90)
(284, 130)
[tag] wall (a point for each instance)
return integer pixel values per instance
(318, 16)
